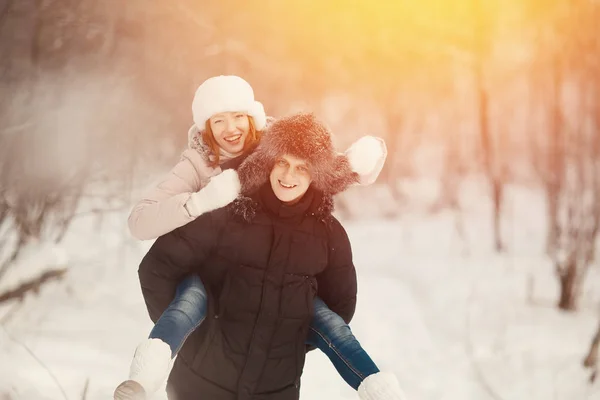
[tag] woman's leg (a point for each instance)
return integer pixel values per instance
(333, 336)
(330, 333)
(152, 360)
(185, 313)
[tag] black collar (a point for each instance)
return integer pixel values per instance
(277, 208)
(313, 203)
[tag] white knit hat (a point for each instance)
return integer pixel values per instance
(226, 93)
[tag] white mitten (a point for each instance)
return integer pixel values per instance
(220, 191)
(367, 156)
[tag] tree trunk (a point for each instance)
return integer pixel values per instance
(568, 287)
(391, 172)
(591, 361)
(497, 196)
(488, 150)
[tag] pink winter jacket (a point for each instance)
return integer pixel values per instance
(162, 208)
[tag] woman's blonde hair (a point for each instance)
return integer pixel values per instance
(250, 142)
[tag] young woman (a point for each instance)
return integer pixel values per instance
(228, 124)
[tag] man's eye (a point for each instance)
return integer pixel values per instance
(217, 121)
(240, 115)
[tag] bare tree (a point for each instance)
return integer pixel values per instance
(492, 161)
(569, 166)
(52, 153)
(572, 186)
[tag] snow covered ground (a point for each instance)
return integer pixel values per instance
(437, 306)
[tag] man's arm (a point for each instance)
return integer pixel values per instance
(337, 283)
(173, 257)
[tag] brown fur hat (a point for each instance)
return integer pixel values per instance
(301, 135)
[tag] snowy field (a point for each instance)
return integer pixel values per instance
(437, 306)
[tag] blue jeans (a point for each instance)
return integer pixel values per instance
(328, 331)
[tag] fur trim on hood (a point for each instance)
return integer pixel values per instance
(196, 142)
(246, 207)
(301, 135)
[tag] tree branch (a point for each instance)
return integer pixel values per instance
(32, 285)
(591, 360)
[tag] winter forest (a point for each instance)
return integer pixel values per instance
(475, 249)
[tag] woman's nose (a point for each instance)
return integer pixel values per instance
(230, 125)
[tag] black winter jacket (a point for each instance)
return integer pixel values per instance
(262, 264)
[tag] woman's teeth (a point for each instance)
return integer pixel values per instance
(232, 138)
